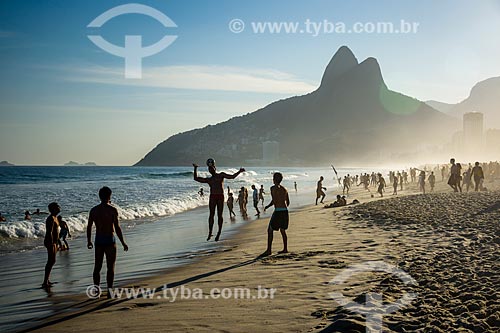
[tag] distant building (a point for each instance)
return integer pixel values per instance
(270, 151)
(473, 133)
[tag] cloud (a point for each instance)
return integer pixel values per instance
(198, 77)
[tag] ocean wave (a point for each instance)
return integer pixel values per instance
(78, 222)
(152, 175)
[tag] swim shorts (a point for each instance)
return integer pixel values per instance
(279, 220)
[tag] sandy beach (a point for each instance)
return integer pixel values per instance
(447, 242)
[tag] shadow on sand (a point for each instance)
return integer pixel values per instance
(92, 305)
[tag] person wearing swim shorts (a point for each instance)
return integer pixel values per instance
(64, 232)
(261, 194)
(105, 218)
(255, 197)
(216, 199)
(319, 190)
(454, 175)
(50, 241)
(279, 219)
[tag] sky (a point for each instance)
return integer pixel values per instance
(64, 98)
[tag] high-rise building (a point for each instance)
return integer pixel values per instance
(473, 133)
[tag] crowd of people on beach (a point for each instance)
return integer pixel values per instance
(105, 217)
(460, 181)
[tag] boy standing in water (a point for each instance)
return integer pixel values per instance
(279, 219)
(50, 241)
(106, 222)
(216, 199)
(63, 234)
(261, 194)
(255, 197)
(230, 204)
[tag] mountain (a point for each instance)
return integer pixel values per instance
(484, 97)
(440, 106)
(5, 163)
(352, 116)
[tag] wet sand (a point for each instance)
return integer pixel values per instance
(447, 242)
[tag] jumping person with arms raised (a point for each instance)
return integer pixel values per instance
(216, 200)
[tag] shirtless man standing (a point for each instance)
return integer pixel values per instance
(50, 241)
(319, 190)
(454, 176)
(106, 222)
(279, 219)
(216, 183)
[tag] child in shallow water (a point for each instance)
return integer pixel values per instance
(63, 233)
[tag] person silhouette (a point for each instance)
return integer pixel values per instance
(216, 199)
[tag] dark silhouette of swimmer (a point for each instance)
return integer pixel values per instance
(319, 190)
(50, 241)
(216, 199)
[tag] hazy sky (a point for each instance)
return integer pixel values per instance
(62, 98)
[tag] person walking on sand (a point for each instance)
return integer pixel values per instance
(478, 174)
(467, 180)
(443, 173)
(319, 190)
(279, 219)
(50, 241)
(261, 194)
(459, 182)
(295, 186)
(216, 199)
(453, 180)
(255, 197)
(432, 180)
(105, 218)
(395, 184)
(345, 189)
(400, 176)
(421, 181)
(381, 184)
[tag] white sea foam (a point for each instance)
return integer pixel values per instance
(78, 222)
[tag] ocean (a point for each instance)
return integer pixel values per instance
(163, 217)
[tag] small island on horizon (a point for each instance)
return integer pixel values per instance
(73, 163)
(6, 163)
